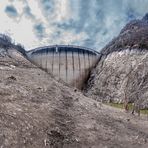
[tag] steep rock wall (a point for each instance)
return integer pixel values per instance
(123, 73)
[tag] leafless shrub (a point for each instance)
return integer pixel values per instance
(7, 43)
(136, 86)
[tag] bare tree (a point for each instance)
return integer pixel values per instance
(135, 84)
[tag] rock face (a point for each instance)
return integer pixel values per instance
(123, 72)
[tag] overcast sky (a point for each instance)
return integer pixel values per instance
(90, 23)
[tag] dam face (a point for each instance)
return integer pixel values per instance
(72, 64)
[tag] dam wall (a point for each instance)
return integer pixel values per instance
(72, 64)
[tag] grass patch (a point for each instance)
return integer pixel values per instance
(144, 111)
(121, 106)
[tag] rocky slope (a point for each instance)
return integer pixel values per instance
(36, 112)
(133, 36)
(122, 74)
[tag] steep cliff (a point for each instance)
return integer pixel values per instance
(122, 74)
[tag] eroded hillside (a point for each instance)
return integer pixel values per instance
(37, 111)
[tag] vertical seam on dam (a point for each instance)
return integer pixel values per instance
(41, 60)
(66, 66)
(84, 64)
(88, 59)
(73, 67)
(52, 61)
(79, 63)
(84, 59)
(46, 60)
(59, 63)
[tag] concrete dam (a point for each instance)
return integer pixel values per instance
(72, 64)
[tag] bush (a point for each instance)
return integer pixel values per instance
(21, 49)
(143, 45)
(6, 43)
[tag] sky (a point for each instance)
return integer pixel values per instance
(88, 23)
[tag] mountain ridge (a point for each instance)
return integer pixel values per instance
(133, 35)
(121, 75)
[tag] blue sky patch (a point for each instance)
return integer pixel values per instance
(11, 11)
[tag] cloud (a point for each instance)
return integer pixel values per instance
(39, 30)
(28, 13)
(11, 11)
(81, 22)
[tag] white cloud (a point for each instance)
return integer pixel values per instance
(91, 23)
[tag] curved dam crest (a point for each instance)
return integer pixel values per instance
(72, 64)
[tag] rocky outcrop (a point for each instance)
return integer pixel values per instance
(123, 72)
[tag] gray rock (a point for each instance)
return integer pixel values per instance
(123, 72)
